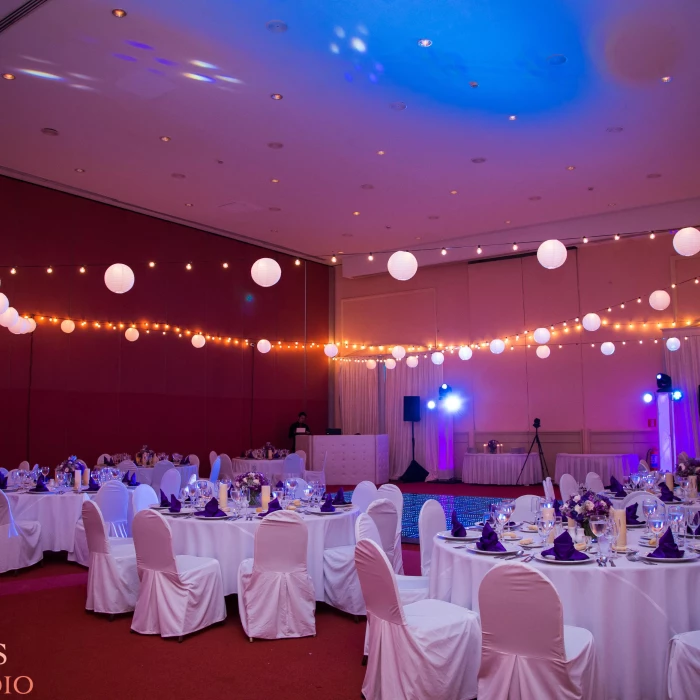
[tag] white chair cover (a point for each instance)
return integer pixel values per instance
(424, 650)
(276, 596)
(20, 544)
(383, 513)
(4, 471)
(158, 470)
(178, 594)
(643, 465)
(364, 493)
(393, 493)
(638, 497)
(170, 484)
(113, 583)
(127, 465)
(102, 457)
(524, 508)
(24, 465)
(212, 457)
(527, 651)
(293, 465)
(594, 482)
(222, 467)
(13, 477)
(302, 454)
(143, 497)
(684, 667)
(568, 486)
(431, 520)
(194, 460)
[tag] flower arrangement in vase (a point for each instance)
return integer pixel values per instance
(253, 481)
(71, 465)
(581, 506)
(267, 451)
(691, 467)
(493, 446)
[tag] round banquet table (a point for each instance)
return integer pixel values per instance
(231, 541)
(485, 468)
(632, 610)
(144, 475)
(271, 468)
(618, 465)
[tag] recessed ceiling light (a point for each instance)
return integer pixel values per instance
(512, 118)
(478, 160)
(276, 145)
(666, 79)
(276, 96)
(433, 217)
(356, 213)
(119, 13)
(367, 187)
(535, 198)
(417, 238)
(571, 167)
(275, 208)
(49, 132)
(398, 106)
(614, 129)
(165, 139)
(453, 191)
(274, 230)
(276, 26)
(653, 176)
(346, 235)
(187, 204)
(612, 204)
(8, 76)
(507, 221)
(79, 170)
(425, 43)
(381, 153)
(275, 180)
(178, 176)
(473, 84)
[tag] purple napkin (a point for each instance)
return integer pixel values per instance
(211, 510)
(125, 480)
(3, 482)
(185, 461)
(132, 481)
(617, 487)
(164, 500)
(489, 541)
(631, 514)
(557, 510)
(279, 485)
(458, 529)
(564, 550)
(40, 486)
(327, 506)
(93, 485)
(272, 506)
(175, 504)
(339, 499)
(666, 494)
(667, 548)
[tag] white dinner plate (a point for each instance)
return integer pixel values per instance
(514, 526)
(524, 528)
(157, 507)
(42, 493)
(509, 550)
(552, 560)
(318, 511)
(202, 517)
(687, 557)
(470, 536)
(636, 527)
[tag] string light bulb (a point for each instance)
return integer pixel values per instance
(515, 246)
(617, 236)
(443, 251)
(652, 236)
(333, 258)
(297, 262)
(49, 270)
(188, 266)
(82, 270)
(13, 270)
(225, 266)
(585, 239)
(478, 250)
(370, 257)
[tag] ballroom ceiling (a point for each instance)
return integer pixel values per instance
(321, 127)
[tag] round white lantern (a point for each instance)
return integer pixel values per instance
(543, 351)
(198, 340)
(119, 278)
(541, 336)
(402, 265)
(673, 344)
(687, 241)
(25, 326)
(659, 300)
(31, 325)
(551, 254)
(266, 272)
(465, 353)
(371, 364)
(68, 326)
(4, 303)
(331, 350)
(497, 346)
(398, 352)
(264, 346)
(591, 322)
(131, 334)
(16, 328)
(437, 358)
(390, 363)
(412, 362)
(607, 348)
(9, 317)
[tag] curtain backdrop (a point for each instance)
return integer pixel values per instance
(683, 366)
(422, 381)
(357, 390)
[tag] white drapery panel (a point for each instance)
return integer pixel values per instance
(422, 381)
(357, 390)
(683, 366)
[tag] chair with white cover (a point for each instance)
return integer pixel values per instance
(158, 470)
(428, 649)
(21, 546)
(212, 457)
(302, 454)
(193, 460)
(170, 484)
(638, 497)
(143, 497)
(393, 493)
(276, 597)
(527, 651)
(525, 508)
(363, 494)
(216, 468)
(293, 465)
(431, 520)
(568, 487)
(684, 666)
(178, 594)
(226, 468)
(643, 465)
(13, 477)
(127, 465)
(113, 583)
(594, 482)
(101, 459)
(24, 465)
(683, 457)
(4, 471)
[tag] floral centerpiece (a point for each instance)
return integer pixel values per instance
(253, 481)
(144, 457)
(582, 506)
(691, 467)
(267, 451)
(493, 446)
(71, 465)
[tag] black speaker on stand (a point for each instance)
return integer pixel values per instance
(411, 412)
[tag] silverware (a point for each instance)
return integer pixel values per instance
(528, 558)
(600, 563)
(459, 546)
(604, 561)
(613, 564)
(515, 555)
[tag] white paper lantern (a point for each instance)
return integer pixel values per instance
(16, 328)
(390, 363)
(9, 317)
(591, 322)
(264, 346)
(412, 362)
(131, 334)
(4, 303)
(402, 265)
(119, 278)
(465, 353)
(551, 254)
(371, 364)
(398, 352)
(68, 326)
(673, 344)
(331, 350)
(198, 340)
(437, 358)
(266, 272)
(32, 325)
(497, 346)
(687, 241)
(25, 326)
(607, 348)
(541, 336)
(543, 351)
(659, 300)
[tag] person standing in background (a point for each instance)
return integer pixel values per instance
(298, 428)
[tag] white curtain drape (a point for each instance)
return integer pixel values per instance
(422, 381)
(683, 366)
(357, 392)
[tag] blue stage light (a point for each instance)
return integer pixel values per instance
(431, 404)
(677, 395)
(648, 398)
(453, 403)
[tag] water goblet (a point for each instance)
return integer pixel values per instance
(292, 487)
(308, 493)
(544, 527)
(634, 479)
(676, 517)
(598, 525)
(657, 523)
(693, 522)
(649, 507)
(45, 471)
(502, 518)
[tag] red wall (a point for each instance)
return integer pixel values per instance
(93, 391)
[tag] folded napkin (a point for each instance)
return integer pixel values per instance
(327, 506)
(339, 499)
(164, 500)
(211, 510)
(40, 486)
(489, 541)
(175, 504)
(666, 494)
(132, 481)
(272, 506)
(93, 485)
(667, 548)
(631, 514)
(458, 529)
(564, 550)
(279, 485)
(125, 480)
(617, 488)
(3, 482)
(185, 461)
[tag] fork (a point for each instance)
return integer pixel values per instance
(515, 555)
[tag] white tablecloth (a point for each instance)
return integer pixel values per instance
(144, 475)
(232, 541)
(485, 468)
(603, 465)
(632, 610)
(271, 468)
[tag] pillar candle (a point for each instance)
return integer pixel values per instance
(692, 486)
(86, 477)
(265, 497)
(669, 480)
(223, 496)
(548, 513)
(571, 523)
(76, 480)
(621, 519)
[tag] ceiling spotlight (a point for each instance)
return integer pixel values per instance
(165, 139)
(617, 236)
(381, 153)
(275, 180)
(276, 96)
(585, 239)
(512, 118)
(119, 14)
(515, 246)
(612, 204)
(188, 266)
(334, 259)
(453, 191)
(276, 26)
(507, 221)
(571, 167)
(188, 204)
(478, 250)
(82, 270)
(425, 43)
(666, 79)
(8, 76)
(297, 262)
(370, 257)
(398, 106)
(356, 213)
(443, 251)
(151, 264)
(225, 266)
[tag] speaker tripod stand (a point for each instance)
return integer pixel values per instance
(543, 461)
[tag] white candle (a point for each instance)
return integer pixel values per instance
(265, 493)
(548, 514)
(76, 480)
(669, 480)
(86, 477)
(223, 496)
(693, 486)
(621, 519)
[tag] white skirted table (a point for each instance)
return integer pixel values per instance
(271, 468)
(485, 468)
(230, 542)
(632, 610)
(618, 465)
(144, 475)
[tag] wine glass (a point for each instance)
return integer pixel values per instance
(634, 479)
(193, 489)
(508, 507)
(45, 471)
(598, 525)
(292, 487)
(544, 527)
(184, 494)
(676, 519)
(613, 532)
(657, 522)
(502, 518)
(683, 485)
(649, 507)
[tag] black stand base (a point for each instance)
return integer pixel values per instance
(414, 473)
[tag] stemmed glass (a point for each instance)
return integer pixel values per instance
(683, 485)
(193, 491)
(676, 521)
(634, 479)
(45, 471)
(692, 521)
(649, 507)
(613, 532)
(508, 507)
(598, 524)
(502, 517)
(544, 527)
(657, 522)
(291, 485)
